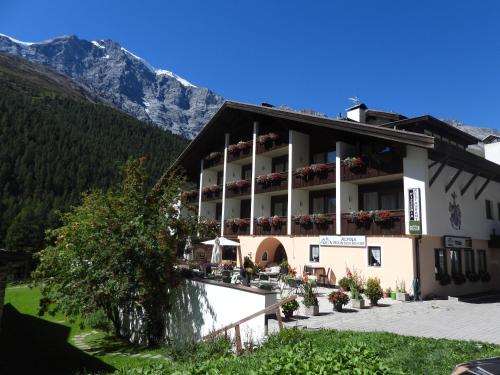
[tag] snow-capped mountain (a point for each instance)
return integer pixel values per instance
(124, 80)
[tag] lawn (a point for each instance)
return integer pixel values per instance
(44, 345)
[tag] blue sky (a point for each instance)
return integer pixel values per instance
(413, 57)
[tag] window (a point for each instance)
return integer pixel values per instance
(218, 211)
(314, 253)
(220, 177)
(280, 164)
(374, 256)
(498, 209)
(489, 213)
(322, 202)
(481, 261)
(469, 261)
(264, 256)
(440, 267)
(370, 201)
(324, 157)
(331, 157)
(245, 208)
(246, 172)
(456, 262)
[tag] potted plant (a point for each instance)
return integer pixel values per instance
(443, 278)
(289, 308)
(276, 221)
(382, 218)
(303, 172)
(248, 266)
(213, 156)
(485, 276)
(262, 179)
(319, 169)
(274, 177)
(472, 276)
(263, 221)
(344, 284)
(355, 285)
(319, 219)
(242, 145)
(458, 278)
(311, 304)
(264, 138)
(339, 299)
(284, 266)
(232, 149)
(373, 290)
(401, 294)
(355, 164)
(273, 136)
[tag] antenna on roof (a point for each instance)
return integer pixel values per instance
(355, 100)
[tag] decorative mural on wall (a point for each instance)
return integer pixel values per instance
(455, 213)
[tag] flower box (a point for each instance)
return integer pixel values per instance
(355, 164)
(311, 310)
(213, 156)
(358, 303)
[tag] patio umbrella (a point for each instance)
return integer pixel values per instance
(222, 242)
(216, 252)
(188, 249)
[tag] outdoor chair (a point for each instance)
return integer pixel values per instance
(295, 286)
(324, 278)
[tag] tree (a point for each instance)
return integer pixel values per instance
(117, 251)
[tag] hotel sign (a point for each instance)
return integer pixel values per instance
(415, 221)
(457, 242)
(346, 241)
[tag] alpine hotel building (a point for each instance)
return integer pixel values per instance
(393, 197)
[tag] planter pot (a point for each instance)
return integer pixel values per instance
(402, 297)
(393, 295)
(386, 295)
(288, 314)
(373, 302)
(357, 303)
(338, 308)
(311, 310)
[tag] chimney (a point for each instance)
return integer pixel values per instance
(357, 113)
(492, 148)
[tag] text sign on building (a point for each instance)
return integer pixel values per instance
(347, 241)
(415, 221)
(450, 241)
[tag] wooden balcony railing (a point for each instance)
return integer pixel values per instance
(270, 145)
(275, 182)
(372, 168)
(313, 225)
(314, 175)
(265, 226)
(237, 227)
(238, 188)
(211, 193)
(395, 226)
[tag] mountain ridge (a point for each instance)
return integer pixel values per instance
(124, 80)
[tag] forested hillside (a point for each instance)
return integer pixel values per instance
(56, 142)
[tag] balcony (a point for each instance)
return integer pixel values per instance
(271, 182)
(213, 159)
(211, 193)
(274, 225)
(374, 223)
(313, 175)
(240, 150)
(313, 225)
(357, 168)
(237, 227)
(271, 141)
(238, 188)
(191, 196)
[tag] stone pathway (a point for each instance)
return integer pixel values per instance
(448, 319)
(79, 341)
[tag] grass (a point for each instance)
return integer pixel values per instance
(46, 341)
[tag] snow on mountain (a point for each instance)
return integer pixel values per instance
(124, 80)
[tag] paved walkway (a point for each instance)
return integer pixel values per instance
(438, 319)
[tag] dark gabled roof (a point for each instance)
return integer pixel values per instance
(437, 124)
(491, 138)
(399, 136)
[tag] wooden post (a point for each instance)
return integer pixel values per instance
(278, 317)
(237, 338)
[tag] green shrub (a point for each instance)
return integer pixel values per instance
(344, 283)
(373, 289)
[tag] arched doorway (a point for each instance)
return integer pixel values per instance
(270, 252)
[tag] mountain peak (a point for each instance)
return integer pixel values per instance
(123, 79)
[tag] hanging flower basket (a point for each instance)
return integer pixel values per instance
(264, 138)
(213, 156)
(262, 179)
(243, 145)
(215, 189)
(232, 149)
(304, 172)
(276, 221)
(274, 178)
(242, 184)
(383, 218)
(304, 220)
(355, 164)
(319, 169)
(273, 136)
(263, 221)
(232, 185)
(362, 218)
(319, 219)
(241, 223)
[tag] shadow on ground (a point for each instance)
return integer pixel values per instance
(29, 345)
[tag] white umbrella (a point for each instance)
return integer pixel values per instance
(188, 249)
(216, 252)
(222, 242)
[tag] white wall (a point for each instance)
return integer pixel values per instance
(199, 308)
(492, 152)
(416, 175)
(262, 205)
(232, 209)
(473, 213)
(300, 149)
(300, 202)
(263, 165)
(208, 210)
(209, 178)
(233, 172)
